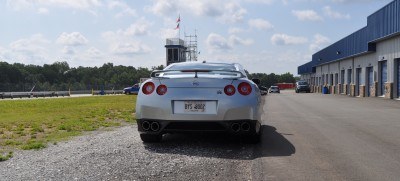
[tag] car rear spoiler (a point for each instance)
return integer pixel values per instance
(156, 73)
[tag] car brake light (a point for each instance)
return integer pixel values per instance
(229, 90)
(148, 88)
(161, 89)
(244, 88)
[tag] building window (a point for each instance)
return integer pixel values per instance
(176, 55)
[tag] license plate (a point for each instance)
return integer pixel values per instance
(194, 106)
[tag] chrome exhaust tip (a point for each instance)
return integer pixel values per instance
(235, 127)
(145, 125)
(155, 126)
(245, 126)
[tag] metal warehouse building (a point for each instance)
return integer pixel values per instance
(365, 64)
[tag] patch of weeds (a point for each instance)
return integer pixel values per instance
(37, 129)
(36, 145)
(65, 127)
(12, 142)
(6, 157)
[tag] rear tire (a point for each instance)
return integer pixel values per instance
(150, 138)
(255, 137)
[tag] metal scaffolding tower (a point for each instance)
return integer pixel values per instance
(191, 42)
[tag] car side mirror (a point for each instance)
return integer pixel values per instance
(256, 81)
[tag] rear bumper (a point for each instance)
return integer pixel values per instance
(237, 127)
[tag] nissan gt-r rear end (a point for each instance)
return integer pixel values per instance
(199, 97)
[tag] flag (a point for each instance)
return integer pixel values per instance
(179, 19)
(177, 26)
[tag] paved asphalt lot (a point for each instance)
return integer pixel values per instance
(305, 137)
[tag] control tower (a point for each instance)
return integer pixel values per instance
(175, 50)
(178, 50)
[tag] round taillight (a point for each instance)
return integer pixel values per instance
(161, 89)
(244, 88)
(148, 88)
(229, 90)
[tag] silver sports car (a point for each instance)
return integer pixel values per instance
(199, 96)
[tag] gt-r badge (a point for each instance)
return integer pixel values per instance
(219, 92)
(195, 83)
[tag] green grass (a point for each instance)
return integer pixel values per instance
(6, 157)
(33, 123)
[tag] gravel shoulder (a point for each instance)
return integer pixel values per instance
(121, 155)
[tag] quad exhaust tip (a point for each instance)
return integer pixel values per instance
(155, 126)
(235, 127)
(146, 125)
(245, 126)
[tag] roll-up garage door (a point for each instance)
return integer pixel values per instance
(398, 78)
(383, 77)
(358, 81)
(370, 80)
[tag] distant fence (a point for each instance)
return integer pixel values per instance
(12, 95)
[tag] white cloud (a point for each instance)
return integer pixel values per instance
(121, 43)
(68, 50)
(228, 12)
(163, 7)
(260, 24)
(235, 30)
(261, 1)
(168, 33)
(93, 52)
(319, 42)
(125, 10)
(217, 42)
(235, 40)
(33, 44)
(140, 27)
(283, 39)
(43, 11)
(233, 13)
(129, 48)
(353, 1)
(307, 15)
(334, 14)
(32, 50)
(72, 39)
(86, 5)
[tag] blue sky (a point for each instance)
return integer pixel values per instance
(265, 36)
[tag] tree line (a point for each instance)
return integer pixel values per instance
(60, 76)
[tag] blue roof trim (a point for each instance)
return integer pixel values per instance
(381, 24)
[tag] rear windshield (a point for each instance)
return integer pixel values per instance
(202, 66)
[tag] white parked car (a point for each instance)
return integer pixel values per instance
(274, 89)
(199, 96)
